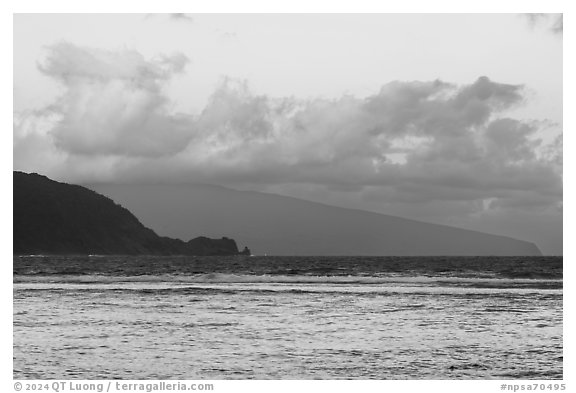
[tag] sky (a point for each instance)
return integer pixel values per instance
(446, 118)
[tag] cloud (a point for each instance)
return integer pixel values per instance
(414, 142)
(182, 17)
(113, 102)
(554, 22)
(174, 17)
(420, 141)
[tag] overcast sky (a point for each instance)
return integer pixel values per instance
(453, 119)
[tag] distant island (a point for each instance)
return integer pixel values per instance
(279, 225)
(53, 218)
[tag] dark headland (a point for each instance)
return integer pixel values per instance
(58, 218)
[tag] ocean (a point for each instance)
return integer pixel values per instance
(102, 317)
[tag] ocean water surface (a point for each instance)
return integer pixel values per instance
(287, 318)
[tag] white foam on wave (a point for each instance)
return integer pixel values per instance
(188, 289)
(216, 278)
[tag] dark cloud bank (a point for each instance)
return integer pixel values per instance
(413, 142)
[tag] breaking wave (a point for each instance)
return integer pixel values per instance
(283, 283)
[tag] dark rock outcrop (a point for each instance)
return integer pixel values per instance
(59, 218)
(246, 251)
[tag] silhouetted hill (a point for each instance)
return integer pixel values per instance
(59, 218)
(278, 225)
